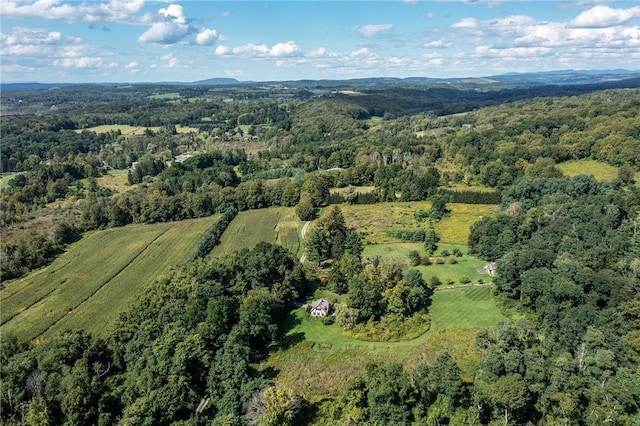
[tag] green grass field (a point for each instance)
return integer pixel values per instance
(464, 307)
(318, 359)
(599, 170)
(87, 286)
(273, 225)
(373, 220)
(4, 180)
(466, 266)
(115, 180)
(125, 129)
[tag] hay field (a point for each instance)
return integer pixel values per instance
(87, 286)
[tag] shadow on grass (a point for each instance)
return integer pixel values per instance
(287, 340)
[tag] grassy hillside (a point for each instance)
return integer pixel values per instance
(274, 225)
(86, 287)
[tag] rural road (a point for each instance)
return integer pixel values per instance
(303, 232)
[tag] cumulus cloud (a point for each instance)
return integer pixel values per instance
(372, 29)
(285, 49)
(131, 65)
(206, 37)
(171, 30)
(23, 41)
(289, 48)
(172, 61)
(82, 62)
(112, 11)
(604, 16)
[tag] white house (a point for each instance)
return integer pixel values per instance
(320, 308)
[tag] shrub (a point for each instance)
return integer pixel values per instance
(434, 281)
(328, 320)
(414, 258)
(425, 261)
(464, 280)
(440, 260)
(453, 260)
(445, 253)
(449, 281)
(456, 252)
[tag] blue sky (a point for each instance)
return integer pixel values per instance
(146, 41)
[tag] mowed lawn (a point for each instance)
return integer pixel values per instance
(276, 225)
(318, 359)
(464, 307)
(465, 266)
(87, 286)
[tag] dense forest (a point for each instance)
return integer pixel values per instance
(190, 348)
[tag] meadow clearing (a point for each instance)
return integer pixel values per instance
(373, 220)
(276, 225)
(126, 129)
(317, 359)
(88, 285)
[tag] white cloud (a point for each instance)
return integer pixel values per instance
(38, 43)
(113, 11)
(467, 23)
(438, 44)
(174, 11)
(170, 30)
(224, 50)
(82, 62)
(604, 16)
(172, 61)
(319, 52)
(131, 65)
(373, 29)
(206, 37)
(164, 33)
(287, 49)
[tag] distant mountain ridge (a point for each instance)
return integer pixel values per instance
(512, 79)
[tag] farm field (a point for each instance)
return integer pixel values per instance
(86, 287)
(599, 170)
(373, 220)
(125, 129)
(318, 358)
(273, 225)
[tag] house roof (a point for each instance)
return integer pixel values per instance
(323, 303)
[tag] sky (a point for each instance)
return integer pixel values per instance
(152, 41)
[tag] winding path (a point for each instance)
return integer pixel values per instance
(303, 232)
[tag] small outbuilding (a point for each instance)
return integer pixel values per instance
(320, 308)
(489, 269)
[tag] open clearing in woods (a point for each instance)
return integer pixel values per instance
(373, 220)
(88, 285)
(317, 359)
(125, 129)
(276, 225)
